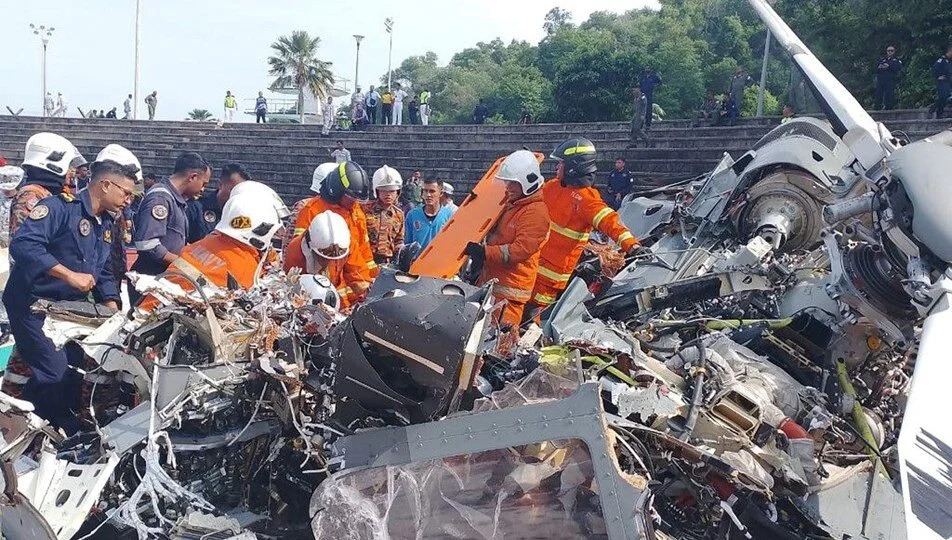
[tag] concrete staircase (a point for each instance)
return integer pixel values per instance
(284, 156)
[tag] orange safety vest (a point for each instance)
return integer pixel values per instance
(294, 257)
(574, 213)
(512, 253)
(359, 267)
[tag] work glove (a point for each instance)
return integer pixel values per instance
(475, 251)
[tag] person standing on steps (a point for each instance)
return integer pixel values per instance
(942, 71)
(261, 109)
(480, 113)
(231, 107)
(339, 153)
(372, 101)
(386, 100)
(127, 108)
(151, 101)
(48, 106)
(330, 114)
(425, 106)
(735, 97)
(648, 82)
(398, 98)
(638, 119)
(887, 75)
(414, 109)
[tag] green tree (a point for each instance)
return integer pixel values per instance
(556, 19)
(295, 64)
(199, 114)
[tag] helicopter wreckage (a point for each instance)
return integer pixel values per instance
(772, 368)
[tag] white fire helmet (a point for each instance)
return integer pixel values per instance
(251, 218)
(262, 190)
(122, 157)
(320, 173)
(329, 236)
(522, 166)
(319, 289)
(49, 152)
(387, 179)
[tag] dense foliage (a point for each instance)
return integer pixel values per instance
(585, 72)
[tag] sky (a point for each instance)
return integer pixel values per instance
(192, 51)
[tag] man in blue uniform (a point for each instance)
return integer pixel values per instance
(648, 82)
(424, 222)
(887, 75)
(619, 184)
(942, 71)
(161, 225)
(61, 252)
(203, 213)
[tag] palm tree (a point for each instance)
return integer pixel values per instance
(199, 114)
(295, 64)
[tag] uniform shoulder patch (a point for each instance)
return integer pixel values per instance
(160, 212)
(39, 211)
(210, 216)
(107, 236)
(85, 227)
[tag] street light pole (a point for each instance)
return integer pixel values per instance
(389, 24)
(44, 34)
(135, 84)
(358, 38)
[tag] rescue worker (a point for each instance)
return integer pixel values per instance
(576, 208)
(511, 251)
(384, 217)
(46, 161)
(322, 251)
(203, 213)
(235, 252)
(342, 192)
(59, 253)
(320, 172)
(161, 226)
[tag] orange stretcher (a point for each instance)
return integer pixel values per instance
(443, 257)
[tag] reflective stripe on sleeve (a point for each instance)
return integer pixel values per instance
(602, 214)
(554, 276)
(574, 235)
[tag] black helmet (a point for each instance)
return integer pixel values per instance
(348, 178)
(578, 155)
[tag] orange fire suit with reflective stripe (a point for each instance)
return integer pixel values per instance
(359, 267)
(333, 270)
(574, 213)
(512, 253)
(212, 259)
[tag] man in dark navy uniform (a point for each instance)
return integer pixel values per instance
(61, 252)
(942, 72)
(887, 75)
(161, 226)
(203, 213)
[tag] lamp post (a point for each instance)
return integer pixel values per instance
(388, 23)
(358, 38)
(44, 34)
(763, 77)
(135, 83)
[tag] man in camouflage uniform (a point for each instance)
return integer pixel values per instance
(384, 217)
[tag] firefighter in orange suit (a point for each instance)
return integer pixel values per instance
(511, 251)
(340, 192)
(575, 208)
(321, 251)
(232, 255)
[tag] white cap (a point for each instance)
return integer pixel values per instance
(447, 188)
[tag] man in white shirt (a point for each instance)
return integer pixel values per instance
(358, 97)
(340, 154)
(127, 107)
(60, 106)
(330, 113)
(48, 105)
(398, 98)
(447, 199)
